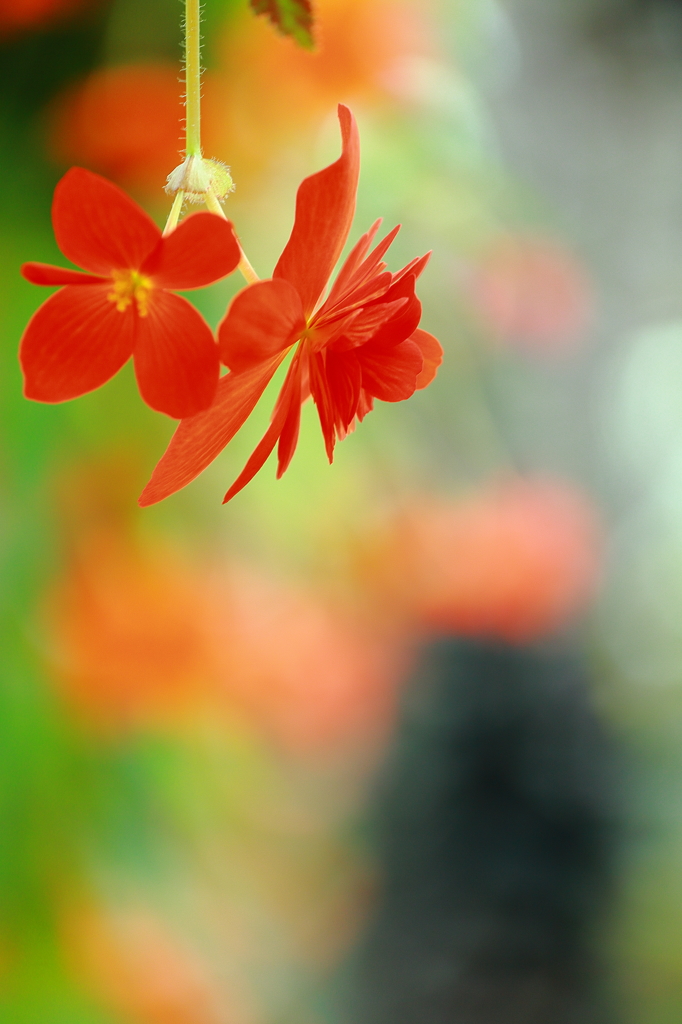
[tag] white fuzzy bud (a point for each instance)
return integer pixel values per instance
(197, 176)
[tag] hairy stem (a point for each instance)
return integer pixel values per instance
(193, 77)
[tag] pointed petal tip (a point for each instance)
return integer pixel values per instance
(144, 501)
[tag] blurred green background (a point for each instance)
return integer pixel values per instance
(200, 705)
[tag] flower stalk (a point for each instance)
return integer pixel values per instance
(192, 78)
(197, 179)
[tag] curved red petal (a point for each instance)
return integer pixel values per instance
(199, 439)
(351, 263)
(403, 325)
(263, 319)
(99, 227)
(344, 380)
(432, 353)
(284, 416)
(288, 438)
(415, 266)
(369, 320)
(391, 373)
(201, 250)
(75, 342)
(45, 273)
(325, 205)
(319, 389)
(176, 358)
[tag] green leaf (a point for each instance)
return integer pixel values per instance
(290, 17)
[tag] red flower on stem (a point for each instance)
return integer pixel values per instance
(84, 333)
(362, 342)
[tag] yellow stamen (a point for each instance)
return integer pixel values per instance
(130, 285)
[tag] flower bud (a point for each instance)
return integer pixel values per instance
(197, 176)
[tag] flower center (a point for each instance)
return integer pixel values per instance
(129, 286)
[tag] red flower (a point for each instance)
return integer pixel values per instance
(84, 333)
(362, 342)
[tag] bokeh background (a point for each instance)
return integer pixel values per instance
(395, 741)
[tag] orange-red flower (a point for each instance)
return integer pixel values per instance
(517, 560)
(362, 342)
(84, 333)
(124, 121)
(532, 293)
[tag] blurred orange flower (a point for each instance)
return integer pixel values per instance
(262, 92)
(516, 561)
(310, 674)
(127, 644)
(533, 293)
(272, 89)
(124, 122)
(20, 14)
(137, 635)
(124, 621)
(129, 959)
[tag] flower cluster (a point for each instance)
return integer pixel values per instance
(359, 342)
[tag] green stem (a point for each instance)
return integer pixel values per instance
(193, 77)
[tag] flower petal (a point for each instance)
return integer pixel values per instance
(289, 398)
(325, 204)
(406, 321)
(366, 324)
(433, 356)
(45, 273)
(351, 264)
(201, 250)
(75, 342)
(344, 380)
(415, 266)
(199, 439)
(99, 227)
(391, 373)
(176, 358)
(263, 319)
(319, 389)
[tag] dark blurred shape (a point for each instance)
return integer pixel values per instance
(35, 64)
(497, 844)
(636, 26)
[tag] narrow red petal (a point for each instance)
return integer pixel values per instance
(369, 320)
(200, 251)
(99, 227)
(45, 273)
(415, 267)
(288, 438)
(391, 374)
(367, 291)
(370, 265)
(319, 389)
(365, 405)
(401, 326)
(351, 263)
(344, 380)
(176, 358)
(75, 342)
(325, 205)
(263, 319)
(289, 398)
(199, 439)
(432, 354)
